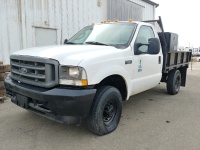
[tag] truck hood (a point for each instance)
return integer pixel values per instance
(68, 54)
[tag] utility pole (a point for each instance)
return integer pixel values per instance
(191, 56)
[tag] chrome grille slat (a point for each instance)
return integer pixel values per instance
(34, 70)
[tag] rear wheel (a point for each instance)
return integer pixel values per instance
(174, 82)
(106, 111)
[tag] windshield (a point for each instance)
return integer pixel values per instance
(117, 35)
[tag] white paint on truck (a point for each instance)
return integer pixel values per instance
(102, 61)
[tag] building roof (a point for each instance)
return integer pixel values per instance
(151, 2)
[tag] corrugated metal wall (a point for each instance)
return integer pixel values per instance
(43, 14)
(78, 13)
(20, 19)
(65, 16)
(124, 10)
(149, 10)
(10, 28)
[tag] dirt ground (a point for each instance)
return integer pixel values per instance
(194, 70)
(152, 120)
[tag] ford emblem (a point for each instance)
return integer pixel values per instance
(24, 70)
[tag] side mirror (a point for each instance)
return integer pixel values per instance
(66, 40)
(154, 46)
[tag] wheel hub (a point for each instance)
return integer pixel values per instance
(109, 112)
(177, 83)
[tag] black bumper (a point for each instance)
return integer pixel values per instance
(53, 103)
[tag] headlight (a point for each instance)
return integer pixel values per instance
(74, 72)
(73, 76)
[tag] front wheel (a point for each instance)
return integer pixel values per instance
(174, 82)
(106, 111)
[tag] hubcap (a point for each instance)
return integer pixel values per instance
(109, 112)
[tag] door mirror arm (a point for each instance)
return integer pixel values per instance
(137, 46)
(66, 41)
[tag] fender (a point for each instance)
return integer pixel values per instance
(95, 76)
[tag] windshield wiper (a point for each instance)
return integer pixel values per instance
(96, 43)
(72, 43)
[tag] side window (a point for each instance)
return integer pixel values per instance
(143, 36)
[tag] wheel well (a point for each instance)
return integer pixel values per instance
(116, 81)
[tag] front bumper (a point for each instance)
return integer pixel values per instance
(59, 104)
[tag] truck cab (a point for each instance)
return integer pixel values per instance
(93, 73)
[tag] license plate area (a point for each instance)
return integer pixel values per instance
(22, 101)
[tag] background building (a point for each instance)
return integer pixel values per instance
(30, 23)
(195, 51)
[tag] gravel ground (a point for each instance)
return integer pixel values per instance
(152, 120)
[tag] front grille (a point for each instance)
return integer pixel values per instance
(34, 71)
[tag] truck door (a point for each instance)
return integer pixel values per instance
(147, 67)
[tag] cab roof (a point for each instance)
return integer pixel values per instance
(128, 22)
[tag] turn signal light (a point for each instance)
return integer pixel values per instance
(130, 20)
(84, 82)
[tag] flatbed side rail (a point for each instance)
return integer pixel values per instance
(176, 59)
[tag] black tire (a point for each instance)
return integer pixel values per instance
(174, 82)
(106, 111)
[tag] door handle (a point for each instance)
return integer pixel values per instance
(159, 59)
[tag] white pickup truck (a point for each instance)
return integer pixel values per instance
(95, 71)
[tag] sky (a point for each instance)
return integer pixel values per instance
(182, 17)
